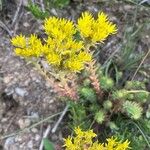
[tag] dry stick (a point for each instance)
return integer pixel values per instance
(140, 64)
(42, 5)
(32, 126)
(54, 128)
(17, 13)
(44, 136)
(5, 28)
(60, 118)
(17, 23)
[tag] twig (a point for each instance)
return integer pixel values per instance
(42, 5)
(17, 12)
(32, 126)
(60, 119)
(44, 136)
(11, 121)
(140, 64)
(5, 28)
(17, 23)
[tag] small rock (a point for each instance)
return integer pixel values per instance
(34, 116)
(7, 79)
(54, 137)
(30, 144)
(8, 143)
(21, 92)
(18, 139)
(34, 130)
(37, 137)
(54, 12)
(26, 24)
(23, 123)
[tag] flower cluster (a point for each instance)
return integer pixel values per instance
(95, 30)
(61, 49)
(84, 141)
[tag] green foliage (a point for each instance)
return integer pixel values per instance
(133, 109)
(135, 85)
(60, 3)
(136, 132)
(128, 59)
(39, 14)
(88, 94)
(142, 96)
(100, 116)
(106, 83)
(48, 145)
(107, 104)
(36, 11)
(86, 82)
(78, 115)
(119, 94)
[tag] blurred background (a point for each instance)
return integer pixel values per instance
(25, 96)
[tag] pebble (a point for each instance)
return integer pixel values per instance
(7, 79)
(21, 92)
(9, 141)
(37, 137)
(34, 130)
(30, 144)
(26, 24)
(23, 123)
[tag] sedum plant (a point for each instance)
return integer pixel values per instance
(83, 140)
(75, 75)
(64, 52)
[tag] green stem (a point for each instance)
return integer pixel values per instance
(137, 91)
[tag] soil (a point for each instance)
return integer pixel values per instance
(25, 96)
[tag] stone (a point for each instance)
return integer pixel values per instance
(21, 92)
(30, 144)
(8, 143)
(24, 123)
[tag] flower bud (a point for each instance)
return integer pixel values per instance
(100, 116)
(106, 83)
(107, 104)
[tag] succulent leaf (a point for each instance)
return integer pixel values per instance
(133, 109)
(100, 116)
(88, 94)
(107, 104)
(106, 83)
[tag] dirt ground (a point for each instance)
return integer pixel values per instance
(25, 96)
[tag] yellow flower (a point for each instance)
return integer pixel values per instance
(74, 65)
(35, 44)
(123, 146)
(24, 52)
(102, 28)
(84, 141)
(19, 41)
(84, 56)
(85, 24)
(59, 28)
(27, 47)
(61, 48)
(54, 59)
(111, 143)
(96, 30)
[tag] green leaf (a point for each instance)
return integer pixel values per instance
(48, 145)
(61, 3)
(36, 11)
